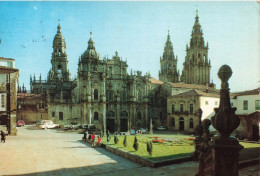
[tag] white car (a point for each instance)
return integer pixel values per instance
(161, 128)
(48, 124)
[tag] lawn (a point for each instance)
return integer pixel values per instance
(166, 146)
(172, 146)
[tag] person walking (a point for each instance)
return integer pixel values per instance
(93, 140)
(2, 136)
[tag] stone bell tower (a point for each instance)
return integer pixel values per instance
(59, 61)
(168, 63)
(196, 68)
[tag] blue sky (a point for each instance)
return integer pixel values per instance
(137, 30)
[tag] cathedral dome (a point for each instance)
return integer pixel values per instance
(91, 52)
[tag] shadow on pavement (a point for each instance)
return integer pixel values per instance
(104, 169)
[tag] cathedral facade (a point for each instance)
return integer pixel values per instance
(104, 94)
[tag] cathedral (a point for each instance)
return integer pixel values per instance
(105, 95)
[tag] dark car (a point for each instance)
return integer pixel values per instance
(20, 123)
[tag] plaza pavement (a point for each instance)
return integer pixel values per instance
(55, 153)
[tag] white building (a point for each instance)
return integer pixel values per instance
(248, 110)
(182, 109)
(4, 78)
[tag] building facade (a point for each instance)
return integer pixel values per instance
(183, 109)
(104, 94)
(248, 110)
(8, 94)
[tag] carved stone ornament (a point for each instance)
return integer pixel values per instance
(225, 120)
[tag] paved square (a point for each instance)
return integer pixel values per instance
(36, 152)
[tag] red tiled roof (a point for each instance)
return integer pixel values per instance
(194, 92)
(3, 58)
(155, 81)
(28, 95)
(5, 70)
(192, 86)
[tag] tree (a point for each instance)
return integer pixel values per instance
(125, 141)
(136, 145)
(149, 146)
(116, 140)
(101, 133)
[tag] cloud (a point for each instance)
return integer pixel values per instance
(35, 8)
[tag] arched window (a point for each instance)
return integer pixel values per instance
(139, 115)
(123, 96)
(124, 114)
(191, 123)
(95, 94)
(181, 107)
(95, 115)
(173, 122)
(204, 58)
(173, 109)
(198, 55)
(169, 66)
(181, 124)
(110, 95)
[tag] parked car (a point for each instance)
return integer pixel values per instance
(161, 128)
(40, 122)
(132, 132)
(48, 124)
(143, 130)
(124, 133)
(20, 123)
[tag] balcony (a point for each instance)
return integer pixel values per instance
(183, 113)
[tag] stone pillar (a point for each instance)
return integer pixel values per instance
(118, 112)
(104, 118)
(89, 115)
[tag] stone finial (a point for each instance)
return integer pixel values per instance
(225, 120)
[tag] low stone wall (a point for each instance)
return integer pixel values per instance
(140, 160)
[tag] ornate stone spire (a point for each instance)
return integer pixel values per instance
(197, 40)
(91, 43)
(168, 63)
(59, 28)
(168, 48)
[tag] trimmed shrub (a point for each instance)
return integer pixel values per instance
(116, 140)
(149, 146)
(136, 145)
(125, 141)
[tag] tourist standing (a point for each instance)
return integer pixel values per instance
(2, 136)
(93, 140)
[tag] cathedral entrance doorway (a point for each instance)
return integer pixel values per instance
(181, 124)
(111, 121)
(123, 125)
(111, 125)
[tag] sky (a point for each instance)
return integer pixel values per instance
(137, 30)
